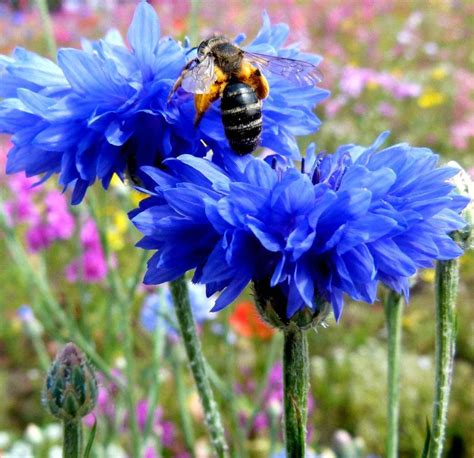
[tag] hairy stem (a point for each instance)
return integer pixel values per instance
(447, 281)
(72, 439)
(393, 314)
(296, 384)
(198, 366)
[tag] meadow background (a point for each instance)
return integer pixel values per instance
(404, 66)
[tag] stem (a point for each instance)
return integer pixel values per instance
(154, 391)
(130, 373)
(138, 275)
(447, 281)
(72, 445)
(198, 366)
(239, 438)
(186, 422)
(125, 303)
(41, 351)
(274, 430)
(393, 314)
(193, 21)
(260, 392)
(41, 286)
(42, 6)
(296, 383)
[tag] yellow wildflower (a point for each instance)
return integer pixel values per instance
(116, 182)
(120, 221)
(136, 197)
(346, 25)
(115, 239)
(118, 227)
(397, 72)
(430, 98)
(439, 73)
(372, 85)
(428, 275)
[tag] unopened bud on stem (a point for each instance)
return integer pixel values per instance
(70, 392)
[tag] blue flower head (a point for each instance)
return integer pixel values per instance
(339, 226)
(158, 309)
(103, 109)
(100, 109)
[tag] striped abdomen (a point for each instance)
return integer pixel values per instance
(242, 117)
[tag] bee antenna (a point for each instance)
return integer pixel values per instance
(302, 165)
(191, 50)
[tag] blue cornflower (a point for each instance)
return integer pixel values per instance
(103, 109)
(158, 309)
(344, 223)
(99, 110)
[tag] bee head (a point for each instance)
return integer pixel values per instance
(207, 45)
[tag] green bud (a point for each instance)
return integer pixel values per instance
(70, 391)
(465, 187)
(272, 303)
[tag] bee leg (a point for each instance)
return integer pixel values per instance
(253, 77)
(178, 82)
(202, 102)
(259, 84)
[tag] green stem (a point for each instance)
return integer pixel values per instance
(42, 6)
(41, 286)
(158, 349)
(270, 361)
(274, 430)
(41, 350)
(296, 384)
(193, 20)
(125, 303)
(393, 313)
(196, 359)
(126, 321)
(238, 435)
(186, 422)
(447, 281)
(72, 443)
(138, 275)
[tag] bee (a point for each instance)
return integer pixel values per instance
(223, 70)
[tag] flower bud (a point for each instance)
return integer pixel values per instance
(272, 305)
(465, 186)
(70, 392)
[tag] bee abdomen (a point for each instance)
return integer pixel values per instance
(242, 117)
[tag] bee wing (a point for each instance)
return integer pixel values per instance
(200, 78)
(298, 72)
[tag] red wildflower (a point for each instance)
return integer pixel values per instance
(246, 322)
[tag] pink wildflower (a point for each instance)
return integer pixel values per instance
(91, 267)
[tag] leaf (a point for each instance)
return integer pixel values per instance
(88, 449)
(426, 446)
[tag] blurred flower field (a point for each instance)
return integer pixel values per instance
(402, 66)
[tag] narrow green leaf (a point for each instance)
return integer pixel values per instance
(90, 441)
(426, 446)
